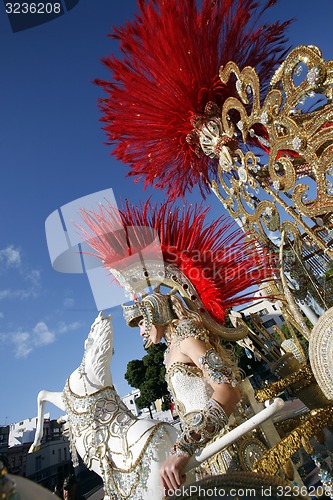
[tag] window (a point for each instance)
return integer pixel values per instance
(262, 312)
(281, 317)
(269, 323)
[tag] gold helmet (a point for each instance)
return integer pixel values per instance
(154, 309)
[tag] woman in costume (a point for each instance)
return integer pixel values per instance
(201, 376)
(208, 268)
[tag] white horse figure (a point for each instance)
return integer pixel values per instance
(125, 451)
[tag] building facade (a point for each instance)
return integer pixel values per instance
(269, 312)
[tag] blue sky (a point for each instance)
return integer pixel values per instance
(52, 151)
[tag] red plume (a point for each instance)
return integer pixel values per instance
(172, 53)
(215, 257)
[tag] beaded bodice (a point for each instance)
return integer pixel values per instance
(188, 384)
(189, 388)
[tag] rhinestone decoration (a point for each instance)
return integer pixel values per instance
(212, 363)
(289, 346)
(329, 187)
(197, 419)
(212, 358)
(98, 417)
(312, 76)
(238, 86)
(268, 211)
(297, 143)
(264, 118)
(242, 174)
(298, 70)
(227, 167)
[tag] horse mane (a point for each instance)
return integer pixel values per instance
(99, 351)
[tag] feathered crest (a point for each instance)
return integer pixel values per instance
(172, 53)
(215, 257)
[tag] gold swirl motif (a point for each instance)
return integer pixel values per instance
(300, 143)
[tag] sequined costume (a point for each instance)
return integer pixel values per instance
(191, 392)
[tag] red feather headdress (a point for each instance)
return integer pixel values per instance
(214, 258)
(172, 53)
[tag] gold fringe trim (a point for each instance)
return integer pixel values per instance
(276, 457)
(286, 426)
(304, 374)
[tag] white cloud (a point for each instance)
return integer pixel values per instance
(31, 276)
(10, 256)
(22, 344)
(41, 335)
(34, 277)
(25, 342)
(64, 327)
(21, 294)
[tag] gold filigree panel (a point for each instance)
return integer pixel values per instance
(297, 137)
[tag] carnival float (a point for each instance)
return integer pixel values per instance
(210, 98)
